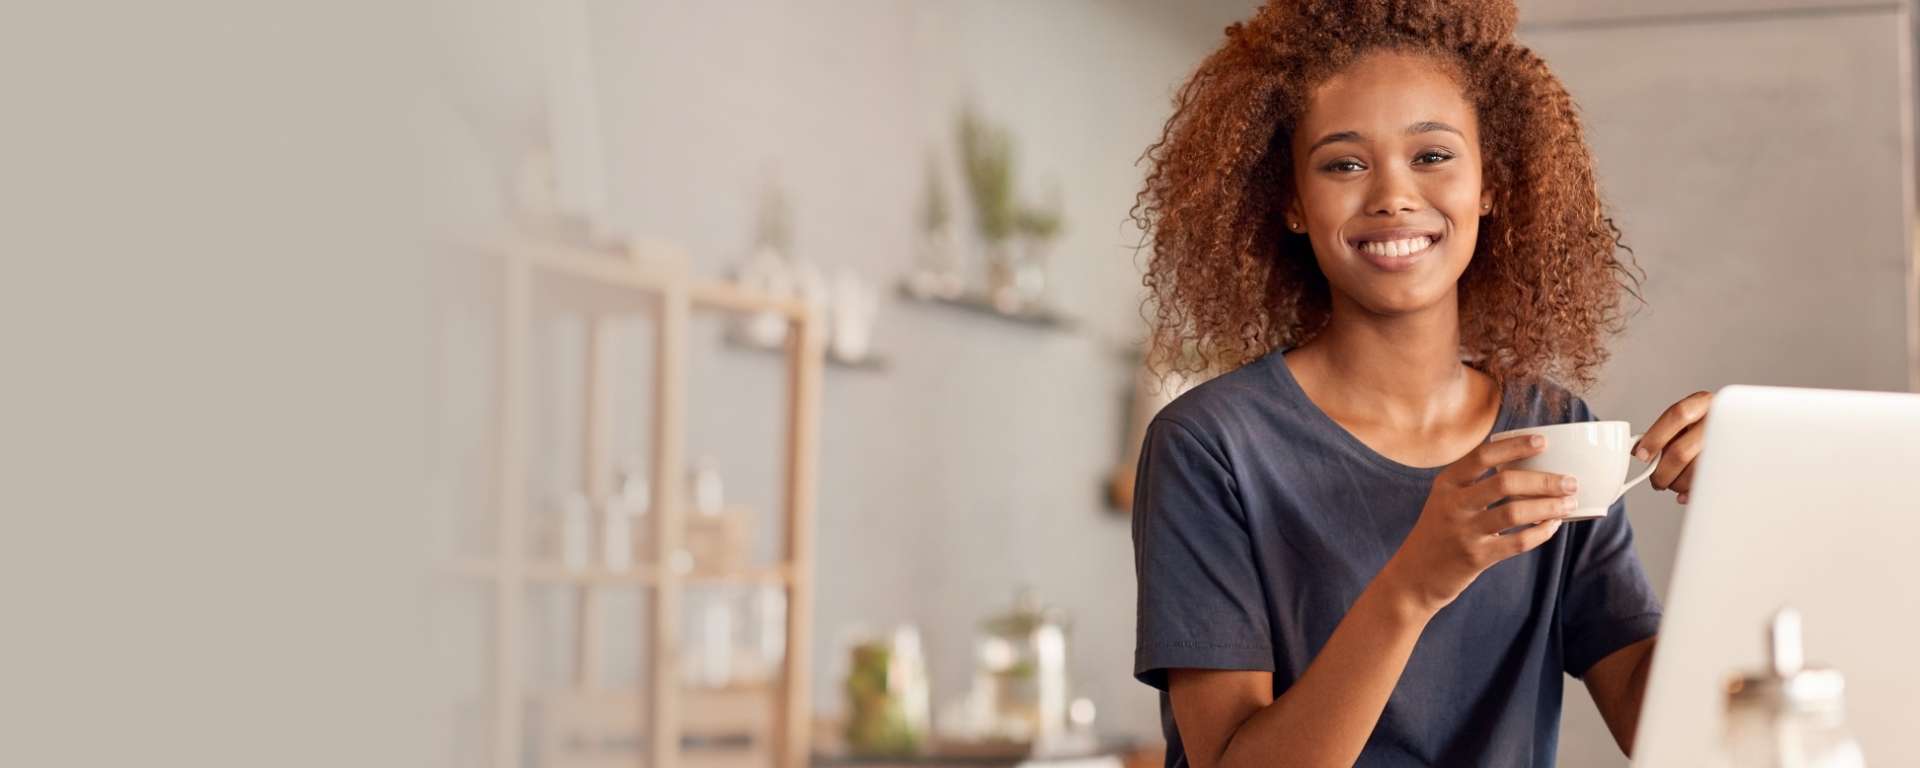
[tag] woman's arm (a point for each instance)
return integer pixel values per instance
(1231, 718)
(1617, 684)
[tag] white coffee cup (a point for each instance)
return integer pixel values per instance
(1597, 453)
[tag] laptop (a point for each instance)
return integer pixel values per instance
(1808, 499)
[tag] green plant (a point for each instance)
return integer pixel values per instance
(986, 156)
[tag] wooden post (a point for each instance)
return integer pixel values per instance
(805, 358)
(596, 469)
(511, 551)
(668, 514)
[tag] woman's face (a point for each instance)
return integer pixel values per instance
(1387, 169)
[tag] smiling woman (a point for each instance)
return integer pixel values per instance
(1381, 220)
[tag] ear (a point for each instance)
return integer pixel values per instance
(1293, 218)
(1486, 202)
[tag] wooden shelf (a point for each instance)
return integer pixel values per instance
(978, 302)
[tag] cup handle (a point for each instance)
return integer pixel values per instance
(1651, 466)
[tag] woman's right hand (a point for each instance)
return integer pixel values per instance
(1459, 533)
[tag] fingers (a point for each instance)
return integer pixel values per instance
(1526, 540)
(1493, 454)
(1678, 457)
(1518, 482)
(1683, 484)
(1675, 420)
(1526, 512)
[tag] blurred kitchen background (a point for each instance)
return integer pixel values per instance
(626, 188)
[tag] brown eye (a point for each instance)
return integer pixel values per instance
(1343, 166)
(1436, 157)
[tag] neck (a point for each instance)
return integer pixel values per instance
(1406, 370)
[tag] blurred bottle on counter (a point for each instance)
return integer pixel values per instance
(887, 694)
(1789, 715)
(1021, 674)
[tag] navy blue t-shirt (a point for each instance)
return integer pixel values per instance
(1258, 520)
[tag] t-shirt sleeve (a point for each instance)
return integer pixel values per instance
(1607, 603)
(1201, 602)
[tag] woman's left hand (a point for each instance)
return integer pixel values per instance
(1676, 437)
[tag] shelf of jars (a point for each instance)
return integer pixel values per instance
(687, 551)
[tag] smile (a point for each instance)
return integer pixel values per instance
(1396, 255)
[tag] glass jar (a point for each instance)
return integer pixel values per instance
(1021, 674)
(733, 635)
(1790, 715)
(887, 694)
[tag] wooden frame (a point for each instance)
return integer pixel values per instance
(605, 285)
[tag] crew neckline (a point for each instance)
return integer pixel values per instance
(1284, 374)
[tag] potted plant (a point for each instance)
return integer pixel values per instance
(986, 157)
(1015, 276)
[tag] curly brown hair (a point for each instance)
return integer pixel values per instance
(1228, 284)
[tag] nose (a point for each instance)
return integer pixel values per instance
(1393, 192)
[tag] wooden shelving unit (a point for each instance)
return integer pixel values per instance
(605, 285)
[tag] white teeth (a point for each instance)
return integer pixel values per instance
(1397, 248)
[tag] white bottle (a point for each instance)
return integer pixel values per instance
(634, 498)
(709, 496)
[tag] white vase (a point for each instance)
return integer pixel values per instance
(854, 306)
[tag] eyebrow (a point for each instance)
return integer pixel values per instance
(1424, 126)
